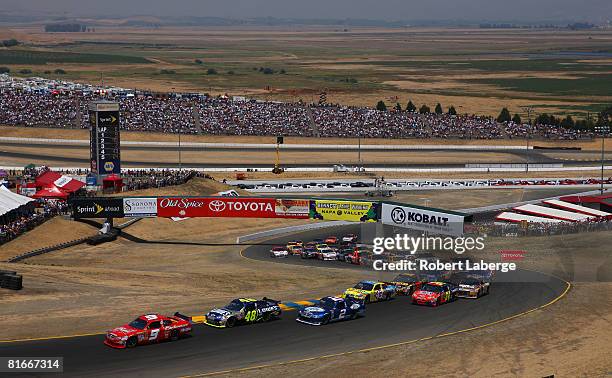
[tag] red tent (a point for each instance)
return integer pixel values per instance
(112, 183)
(51, 192)
(65, 183)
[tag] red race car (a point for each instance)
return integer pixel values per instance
(331, 240)
(148, 329)
(434, 293)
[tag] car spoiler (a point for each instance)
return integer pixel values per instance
(274, 301)
(190, 319)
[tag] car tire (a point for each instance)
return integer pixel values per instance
(174, 336)
(367, 299)
(266, 317)
(325, 320)
(229, 323)
(131, 342)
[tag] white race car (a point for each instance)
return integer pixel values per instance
(279, 252)
(327, 254)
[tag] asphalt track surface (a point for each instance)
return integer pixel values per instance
(212, 350)
(535, 157)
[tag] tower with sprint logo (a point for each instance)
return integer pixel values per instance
(104, 142)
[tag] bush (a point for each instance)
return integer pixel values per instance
(424, 109)
(517, 119)
(167, 72)
(4, 70)
(282, 71)
(452, 110)
(59, 71)
(198, 61)
(410, 107)
(10, 42)
(438, 109)
(211, 71)
(25, 71)
(230, 72)
(268, 71)
(381, 106)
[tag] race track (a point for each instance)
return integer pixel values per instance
(212, 349)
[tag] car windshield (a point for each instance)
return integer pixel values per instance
(327, 303)
(433, 288)
(138, 324)
(404, 278)
(235, 306)
(364, 286)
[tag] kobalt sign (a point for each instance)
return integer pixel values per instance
(422, 219)
(216, 207)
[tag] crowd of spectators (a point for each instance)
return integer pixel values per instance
(26, 219)
(145, 179)
(66, 107)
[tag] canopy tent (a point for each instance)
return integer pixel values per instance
(112, 183)
(51, 192)
(65, 183)
(10, 201)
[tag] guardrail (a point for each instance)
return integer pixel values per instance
(44, 250)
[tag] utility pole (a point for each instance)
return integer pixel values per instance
(528, 110)
(179, 151)
(603, 130)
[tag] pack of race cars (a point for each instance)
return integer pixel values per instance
(155, 328)
(332, 248)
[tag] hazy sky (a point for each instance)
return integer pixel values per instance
(595, 10)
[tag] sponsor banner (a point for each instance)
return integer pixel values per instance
(353, 211)
(140, 207)
(292, 208)
(62, 181)
(422, 219)
(239, 207)
(97, 208)
(509, 255)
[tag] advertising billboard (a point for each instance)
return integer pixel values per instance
(239, 207)
(352, 211)
(292, 208)
(423, 219)
(105, 138)
(140, 207)
(97, 208)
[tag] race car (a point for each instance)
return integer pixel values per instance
(148, 329)
(321, 246)
(331, 309)
(279, 251)
(243, 311)
(352, 238)
(406, 283)
(294, 247)
(308, 253)
(370, 291)
(331, 240)
(472, 287)
(326, 254)
(434, 293)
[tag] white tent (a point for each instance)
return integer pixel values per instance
(10, 201)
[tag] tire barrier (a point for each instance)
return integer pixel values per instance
(10, 280)
(103, 238)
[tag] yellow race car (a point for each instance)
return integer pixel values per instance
(370, 291)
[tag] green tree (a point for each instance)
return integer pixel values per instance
(452, 110)
(211, 71)
(438, 109)
(424, 109)
(381, 106)
(516, 119)
(568, 122)
(504, 116)
(410, 107)
(398, 107)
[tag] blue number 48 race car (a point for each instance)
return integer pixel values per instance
(331, 309)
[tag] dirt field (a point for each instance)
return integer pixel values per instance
(476, 70)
